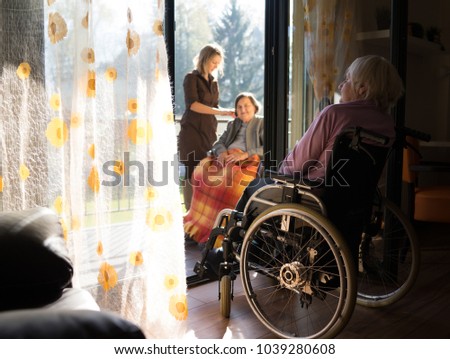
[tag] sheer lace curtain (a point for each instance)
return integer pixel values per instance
(87, 130)
(329, 34)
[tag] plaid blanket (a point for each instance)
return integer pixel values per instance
(216, 187)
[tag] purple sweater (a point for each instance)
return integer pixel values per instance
(311, 153)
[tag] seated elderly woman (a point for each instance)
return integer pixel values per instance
(220, 178)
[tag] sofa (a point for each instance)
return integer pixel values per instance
(37, 299)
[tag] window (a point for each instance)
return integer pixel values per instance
(236, 25)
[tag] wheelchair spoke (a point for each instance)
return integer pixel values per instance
(294, 274)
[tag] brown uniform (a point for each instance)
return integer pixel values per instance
(198, 131)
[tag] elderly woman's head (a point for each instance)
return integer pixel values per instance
(374, 78)
(246, 106)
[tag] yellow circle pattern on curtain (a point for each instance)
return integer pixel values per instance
(102, 131)
(329, 31)
(99, 148)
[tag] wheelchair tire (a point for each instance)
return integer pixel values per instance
(225, 296)
(389, 257)
(297, 273)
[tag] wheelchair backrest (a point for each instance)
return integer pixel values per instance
(353, 173)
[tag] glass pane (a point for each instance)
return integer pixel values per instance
(343, 17)
(301, 98)
(237, 26)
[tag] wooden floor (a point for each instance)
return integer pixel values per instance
(423, 313)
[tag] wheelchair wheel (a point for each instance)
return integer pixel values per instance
(389, 256)
(297, 273)
(225, 296)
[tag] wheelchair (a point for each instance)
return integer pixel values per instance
(301, 276)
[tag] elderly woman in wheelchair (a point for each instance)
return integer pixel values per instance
(315, 238)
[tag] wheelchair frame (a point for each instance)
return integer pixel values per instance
(298, 274)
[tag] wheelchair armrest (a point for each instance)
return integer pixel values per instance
(279, 177)
(431, 166)
(294, 180)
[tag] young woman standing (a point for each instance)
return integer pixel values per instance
(199, 122)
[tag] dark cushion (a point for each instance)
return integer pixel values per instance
(66, 324)
(34, 266)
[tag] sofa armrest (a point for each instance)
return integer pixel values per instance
(66, 324)
(34, 264)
